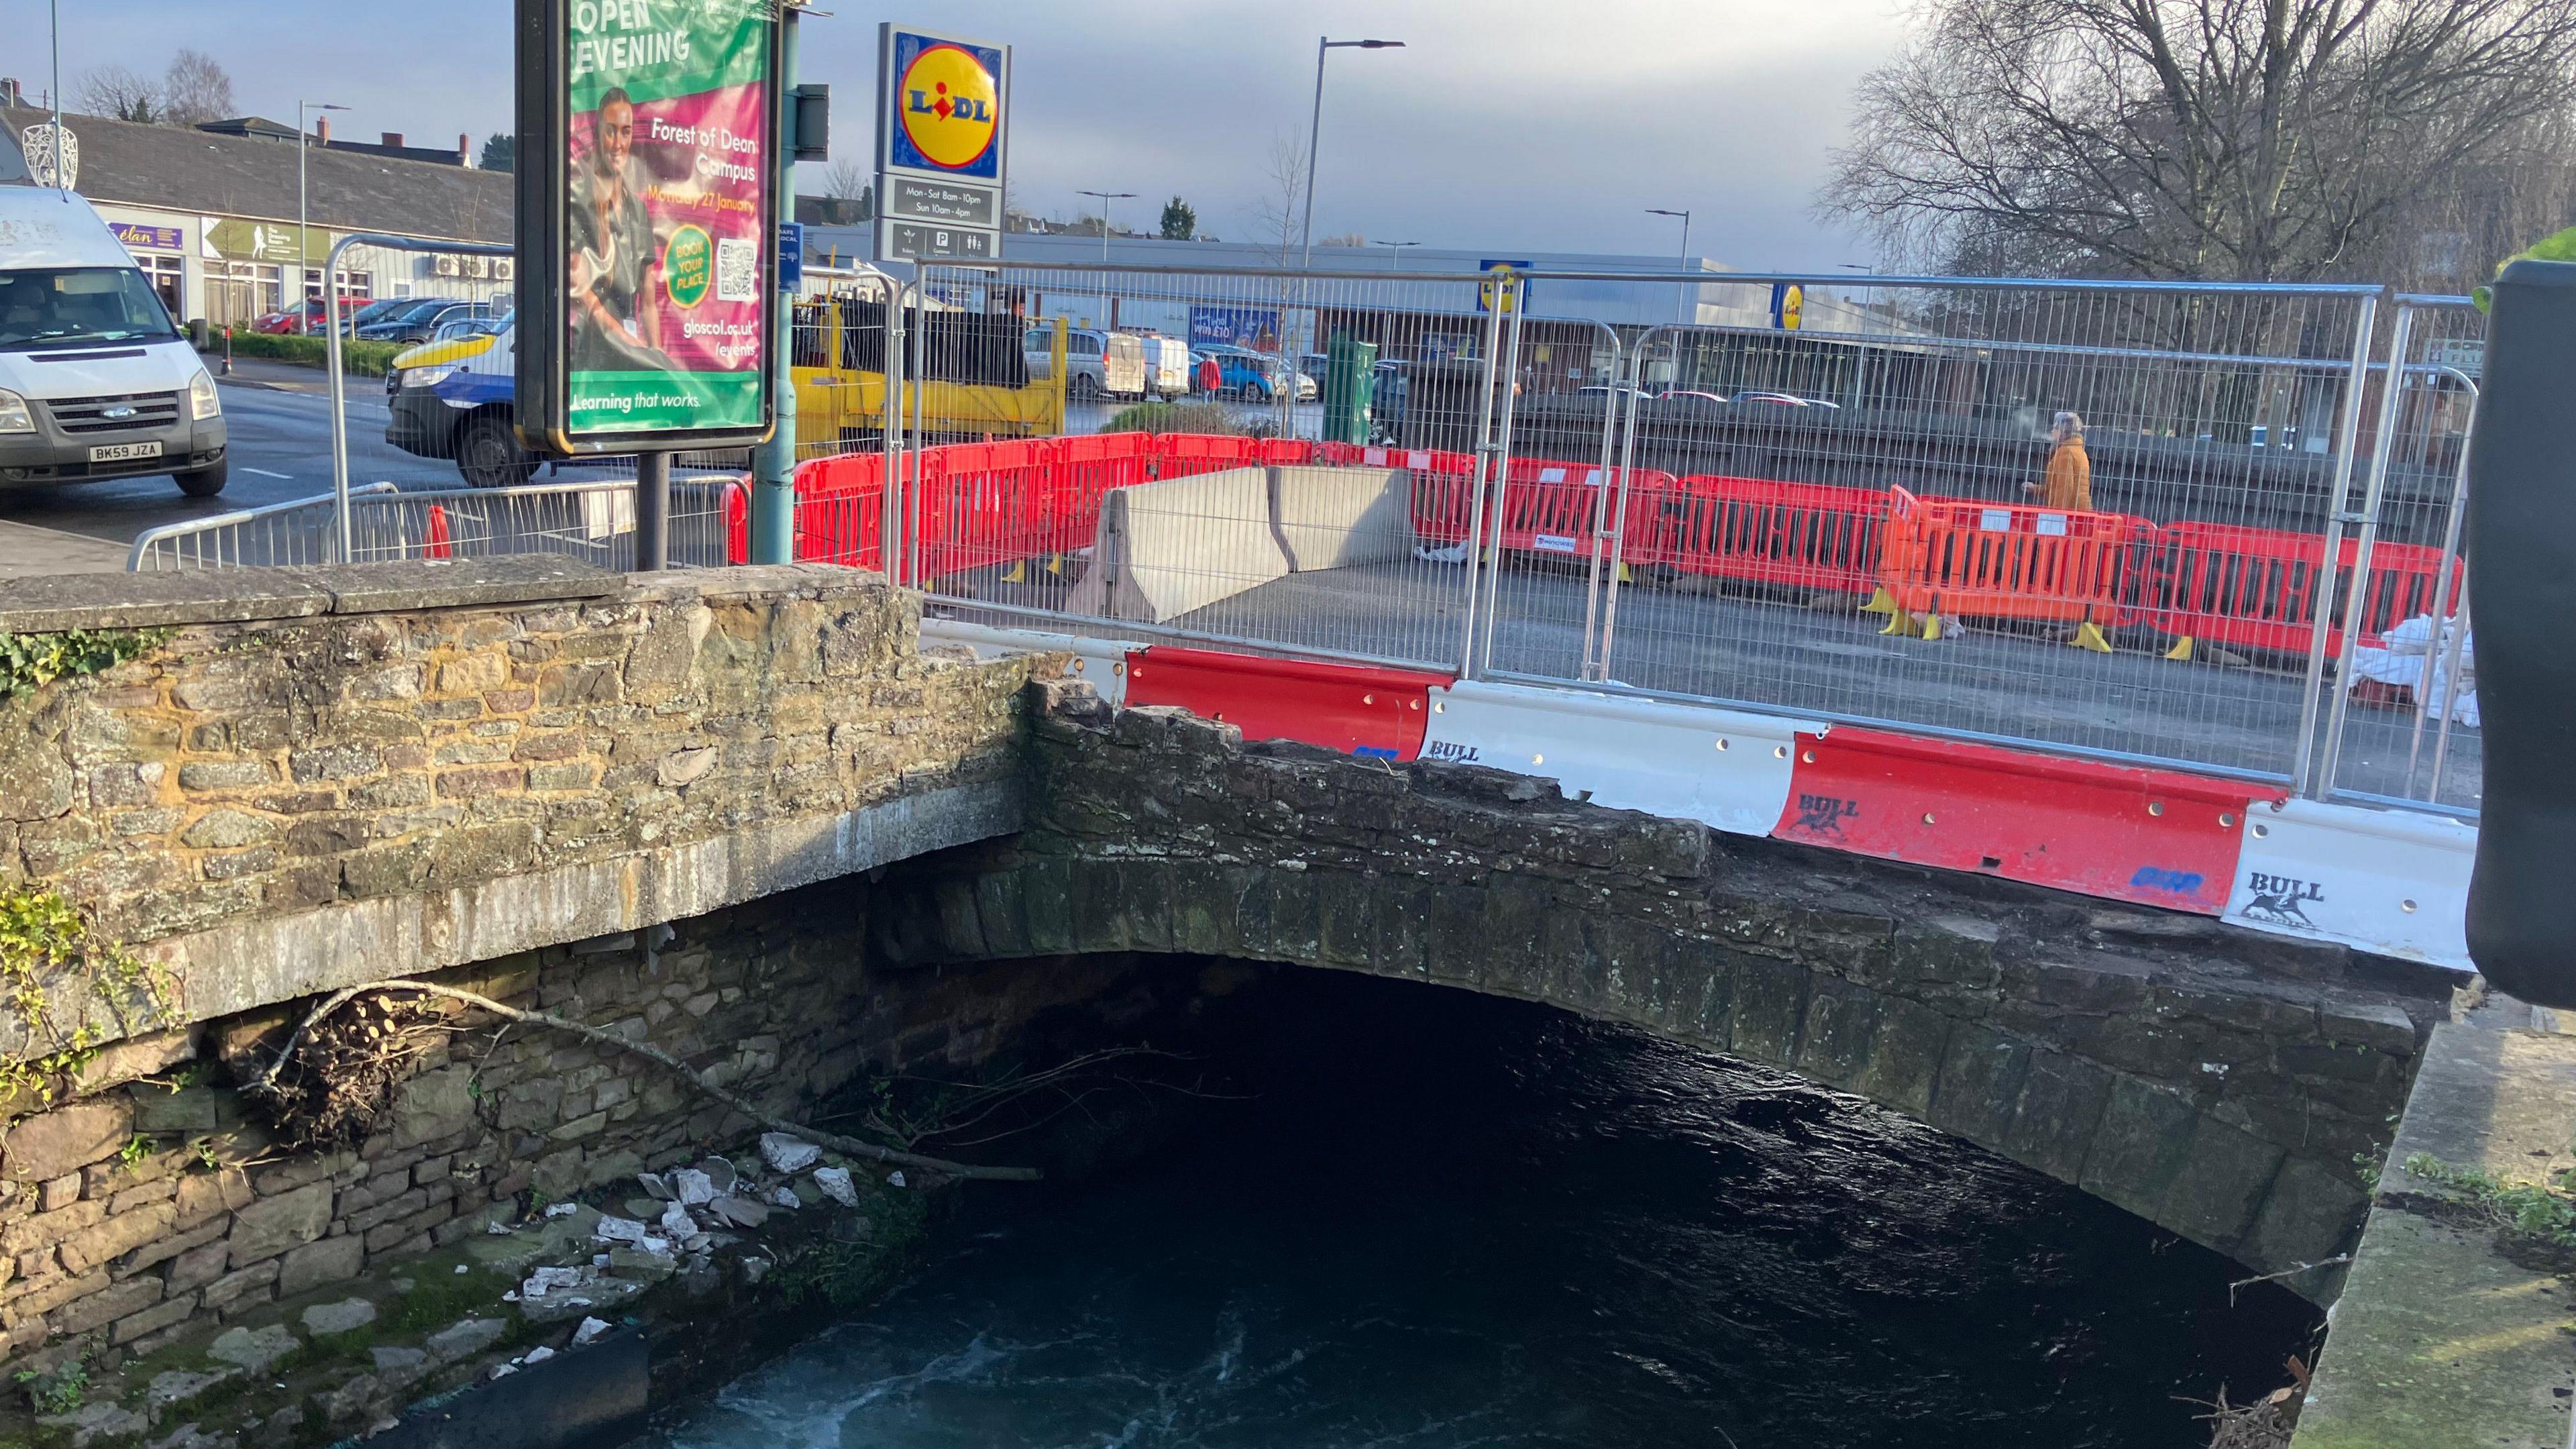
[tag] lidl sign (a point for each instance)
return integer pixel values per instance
(944, 131)
(1495, 293)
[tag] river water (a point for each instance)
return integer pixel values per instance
(1444, 1220)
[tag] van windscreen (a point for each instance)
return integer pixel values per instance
(78, 306)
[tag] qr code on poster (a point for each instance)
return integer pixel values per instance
(737, 270)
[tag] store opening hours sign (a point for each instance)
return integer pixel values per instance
(943, 145)
(648, 144)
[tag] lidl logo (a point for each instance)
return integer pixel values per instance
(1788, 305)
(950, 104)
(1495, 294)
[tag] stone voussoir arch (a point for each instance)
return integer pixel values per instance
(2218, 1083)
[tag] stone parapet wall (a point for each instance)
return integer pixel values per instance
(2213, 1081)
(330, 774)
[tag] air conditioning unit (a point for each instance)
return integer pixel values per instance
(478, 268)
(444, 266)
(502, 271)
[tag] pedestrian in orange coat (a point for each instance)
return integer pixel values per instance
(2069, 484)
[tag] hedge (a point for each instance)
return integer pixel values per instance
(359, 359)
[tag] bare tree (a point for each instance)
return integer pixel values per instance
(847, 180)
(2250, 139)
(1275, 215)
(120, 94)
(195, 89)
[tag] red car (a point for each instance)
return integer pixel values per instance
(312, 321)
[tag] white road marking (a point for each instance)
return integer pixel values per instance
(264, 473)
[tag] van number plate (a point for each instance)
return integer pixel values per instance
(120, 452)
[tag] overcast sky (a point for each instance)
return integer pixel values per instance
(1505, 125)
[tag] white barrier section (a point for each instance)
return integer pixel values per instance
(1102, 661)
(1167, 548)
(1725, 769)
(1330, 518)
(2384, 880)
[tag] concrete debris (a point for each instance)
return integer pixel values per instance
(546, 1280)
(652, 1265)
(620, 1230)
(786, 1197)
(693, 1187)
(599, 1260)
(590, 1329)
(399, 1368)
(464, 1339)
(510, 1297)
(352, 1398)
(677, 1222)
(177, 1386)
(787, 1154)
(742, 1212)
(895, 1178)
(754, 1269)
(497, 1228)
(252, 1352)
(562, 1209)
(93, 1422)
(462, 1270)
(656, 1184)
(347, 1316)
(504, 1370)
(836, 1185)
(541, 1353)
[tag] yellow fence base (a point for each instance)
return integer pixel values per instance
(2088, 635)
(2181, 652)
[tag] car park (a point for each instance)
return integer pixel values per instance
(1169, 365)
(421, 322)
(95, 380)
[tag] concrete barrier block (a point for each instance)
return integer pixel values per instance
(1167, 548)
(1330, 518)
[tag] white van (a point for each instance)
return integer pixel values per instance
(1096, 363)
(95, 381)
(1167, 365)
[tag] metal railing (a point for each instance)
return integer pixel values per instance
(593, 521)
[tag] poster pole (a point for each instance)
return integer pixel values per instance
(652, 511)
(773, 489)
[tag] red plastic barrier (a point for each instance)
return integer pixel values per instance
(977, 505)
(2255, 588)
(439, 544)
(1183, 455)
(840, 511)
(1794, 535)
(1360, 708)
(2152, 836)
(1087, 469)
(2008, 561)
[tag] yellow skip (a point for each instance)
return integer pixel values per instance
(2088, 635)
(2181, 652)
(1881, 602)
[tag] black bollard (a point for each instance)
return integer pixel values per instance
(652, 510)
(2522, 591)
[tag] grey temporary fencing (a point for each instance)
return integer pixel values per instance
(593, 521)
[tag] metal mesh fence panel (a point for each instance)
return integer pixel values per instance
(1865, 515)
(2403, 727)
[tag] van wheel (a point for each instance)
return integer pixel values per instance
(204, 482)
(490, 457)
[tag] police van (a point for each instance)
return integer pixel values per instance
(95, 380)
(456, 400)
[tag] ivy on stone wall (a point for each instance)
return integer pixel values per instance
(52, 959)
(29, 662)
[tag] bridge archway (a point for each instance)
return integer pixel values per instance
(2216, 1083)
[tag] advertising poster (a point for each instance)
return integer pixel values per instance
(1256, 328)
(667, 149)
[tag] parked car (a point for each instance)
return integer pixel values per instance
(1688, 394)
(311, 321)
(95, 381)
(1785, 400)
(1603, 389)
(1096, 363)
(421, 321)
(372, 312)
(1256, 376)
(1169, 365)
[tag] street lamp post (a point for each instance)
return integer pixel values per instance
(1397, 248)
(302, 109)
(1106, 197)
(1315, 131)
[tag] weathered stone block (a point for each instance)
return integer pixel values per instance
(49, 1144)
(1840, 1026)
(2139, 1147)
(1770, 1005)
(97, 1310)
(1905, 1055)
(272, 1225)
(2061, 1104)
(328, 1260)
(2224, 1177)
